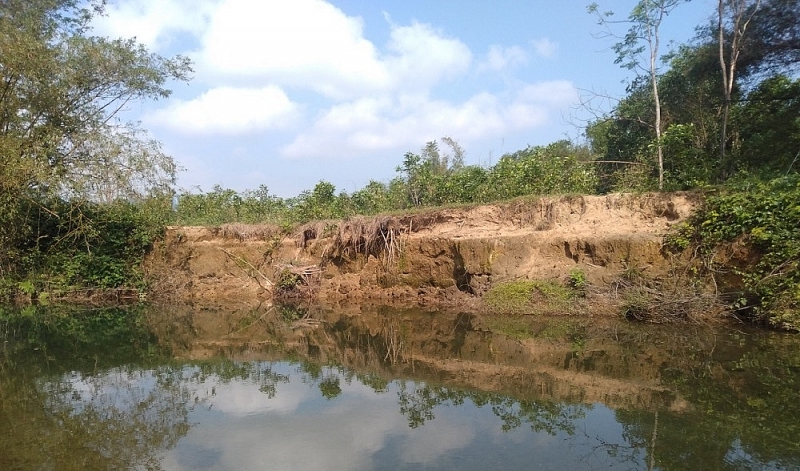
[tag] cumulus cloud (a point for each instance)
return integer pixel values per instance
(353, 96)
(499, 58)
(421, 57)
(311, 44)
(228, 110)
(370, 125)
(300, 43)
(544, 47)
(152, 22)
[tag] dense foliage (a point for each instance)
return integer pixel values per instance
(83, 244)
(430, 178)
(76, 183)
(763, 219)
(760, 119)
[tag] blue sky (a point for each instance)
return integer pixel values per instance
(290, 92)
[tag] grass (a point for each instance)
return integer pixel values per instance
(539, 297)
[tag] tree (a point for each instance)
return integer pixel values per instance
(767, 125)
(427, 172)
(773, 43)
(643, 36)
(61, 91)
(623, 139)
(738, 14)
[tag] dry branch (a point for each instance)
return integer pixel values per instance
(241, 260)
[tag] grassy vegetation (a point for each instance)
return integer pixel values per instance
(536, 297)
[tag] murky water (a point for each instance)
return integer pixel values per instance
(238, 389)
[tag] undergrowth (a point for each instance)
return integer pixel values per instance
(747, 238)
(79, 248)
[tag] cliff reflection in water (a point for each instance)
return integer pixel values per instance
(278, 388)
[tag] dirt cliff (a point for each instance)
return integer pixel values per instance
(436, 257)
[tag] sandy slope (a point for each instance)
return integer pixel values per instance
(438, 256)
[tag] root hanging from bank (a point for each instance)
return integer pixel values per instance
(379, 237)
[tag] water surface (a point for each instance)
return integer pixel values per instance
(237, 389)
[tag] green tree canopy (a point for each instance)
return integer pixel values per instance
(61, 94)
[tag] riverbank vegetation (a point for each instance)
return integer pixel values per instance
(83, 194)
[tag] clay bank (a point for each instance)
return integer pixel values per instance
(561, 255)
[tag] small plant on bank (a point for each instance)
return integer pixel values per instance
(287, 281)
(577, 281)
(530, 297)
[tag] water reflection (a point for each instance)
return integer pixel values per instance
(392, 390)
(294, 423)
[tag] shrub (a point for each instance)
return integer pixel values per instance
(763, 219)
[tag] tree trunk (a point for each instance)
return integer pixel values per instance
(657, 99)
(659, 147)
(739, 25)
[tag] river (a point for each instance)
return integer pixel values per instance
(239, 388)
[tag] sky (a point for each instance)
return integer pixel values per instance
(287, 93)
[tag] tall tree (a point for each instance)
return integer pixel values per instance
(643, 37)
(773, 42)
(736, 15)
(61, 91)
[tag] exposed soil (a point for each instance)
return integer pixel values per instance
(438, 258)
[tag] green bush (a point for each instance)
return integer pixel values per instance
(577, 281)
(764, 219)
(75, 245)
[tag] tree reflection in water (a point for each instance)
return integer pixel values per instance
(67, 401)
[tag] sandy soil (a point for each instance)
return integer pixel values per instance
(443, 257)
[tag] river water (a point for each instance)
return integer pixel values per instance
(268, 388)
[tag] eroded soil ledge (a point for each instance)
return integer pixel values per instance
(439, 258)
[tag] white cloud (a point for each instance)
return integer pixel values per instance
(228, 110)
(544, 47)
(421, 56)
(500, 58)
(370, 125)
(311, 44)
(301, 43)
(363, 97)
(152, 21)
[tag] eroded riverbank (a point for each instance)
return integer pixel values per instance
(446, 258)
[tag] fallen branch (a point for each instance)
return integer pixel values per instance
(240, 259)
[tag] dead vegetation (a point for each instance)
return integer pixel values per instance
(249, 232)
(673, 299)
(379, 237)
(294, 283)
